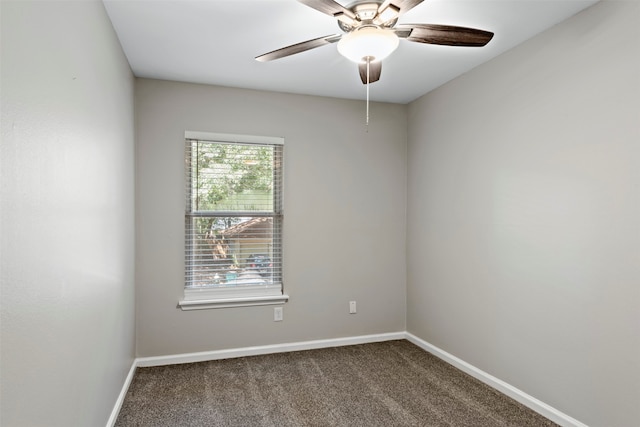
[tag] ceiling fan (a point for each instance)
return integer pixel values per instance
(371, 33)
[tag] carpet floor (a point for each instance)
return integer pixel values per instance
(393, 383)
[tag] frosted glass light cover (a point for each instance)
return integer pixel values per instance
(368, 42)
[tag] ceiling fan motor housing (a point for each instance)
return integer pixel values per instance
(365, 13)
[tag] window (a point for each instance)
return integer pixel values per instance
(233, 221)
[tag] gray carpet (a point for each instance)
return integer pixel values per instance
(393, 383)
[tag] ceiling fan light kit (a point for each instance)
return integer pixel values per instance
(368, 43)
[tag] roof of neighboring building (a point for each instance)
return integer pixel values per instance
(260, 227)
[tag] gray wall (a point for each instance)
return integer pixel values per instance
(344, 229)
(523, 208)
(67, 208)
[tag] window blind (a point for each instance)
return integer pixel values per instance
(233, 216)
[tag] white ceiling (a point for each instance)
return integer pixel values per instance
(215, 42)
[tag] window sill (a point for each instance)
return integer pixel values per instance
(204, 304)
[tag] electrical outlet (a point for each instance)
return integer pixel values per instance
(352, 307)
(277, 314)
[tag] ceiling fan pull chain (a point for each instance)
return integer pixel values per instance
(368, 62)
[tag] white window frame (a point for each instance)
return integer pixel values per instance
(225, 297)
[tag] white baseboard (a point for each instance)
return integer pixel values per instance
(503, 387)
(265, 349)
(125, 387)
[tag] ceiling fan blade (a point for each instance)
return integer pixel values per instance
(298, 47)
(403, 5)
(444, 35)
(375, 69)
(330, 7)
